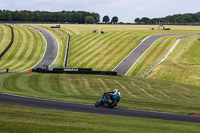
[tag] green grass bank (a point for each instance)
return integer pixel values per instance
(20, 119)
(27, 50)
(137, 93)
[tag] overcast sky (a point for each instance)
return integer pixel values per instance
(126, 10)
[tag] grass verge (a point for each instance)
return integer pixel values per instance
(152, 55)
(20, 119)
(182, 65)
(137, 93)
(27, 50)
(5, 37)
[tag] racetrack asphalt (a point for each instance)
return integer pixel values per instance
(127, 63)
(86, 108)
(1, 73)
(52, 47)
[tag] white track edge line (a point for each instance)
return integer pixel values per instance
(132, 51)
(142, 55)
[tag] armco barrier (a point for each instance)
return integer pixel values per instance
(66, 52)
(75, 71)
(10, 44)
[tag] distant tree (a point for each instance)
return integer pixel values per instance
(145, 20)
(106, 19)
(115, 20)
(44, 16)
(89, 19)
(137, 20)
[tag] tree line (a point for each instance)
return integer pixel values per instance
(45, 16)
(188, 18)
(114, 20)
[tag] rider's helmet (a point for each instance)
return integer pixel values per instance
(115, 90)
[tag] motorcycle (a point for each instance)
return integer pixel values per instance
(108, 101)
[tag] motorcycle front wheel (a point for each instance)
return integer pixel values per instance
(97, 104)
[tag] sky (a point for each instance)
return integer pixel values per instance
(125, 10)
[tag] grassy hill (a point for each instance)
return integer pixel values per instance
(137, 93)
(105, 51)
(20, 119)
(5, 37)
(181, 66)
(27, 50)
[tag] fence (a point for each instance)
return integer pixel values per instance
(74, 71)
(67, 52)
(10, 44)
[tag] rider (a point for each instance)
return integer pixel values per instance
(113, 93)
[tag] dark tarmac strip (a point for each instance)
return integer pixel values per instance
(1, 73)
(126, 64)
(84, 108)
(51, 50)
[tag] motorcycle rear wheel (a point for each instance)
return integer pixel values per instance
(113, 104)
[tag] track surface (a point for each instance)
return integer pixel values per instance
(127, 63)
(1, 73)
(84, 108)
(51, 50)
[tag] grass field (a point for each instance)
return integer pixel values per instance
(27, 50)
(102, 52)
(181, 66)
(20, 119)
(5, 37)
(105, 51)
(137, 93)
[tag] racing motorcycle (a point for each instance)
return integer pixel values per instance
(107, 100)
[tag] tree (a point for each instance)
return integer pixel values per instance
(45, 16)
(106, 19)
(89, 19)
(137, 20)
(114, 20)
(145, 20)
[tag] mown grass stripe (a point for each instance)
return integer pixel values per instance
(27, 50)
(10, 55)
(55, 84)
(1, 34)
(72, 86)
(102, 49)
(70, 31)
(105, 50)
(5, 37)
(123, 88)
(22, 53)
(34, 82)
(87, 53)
(10, 84)
(81, 43)
(82, 52)
(114, 48)
(35, 50)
